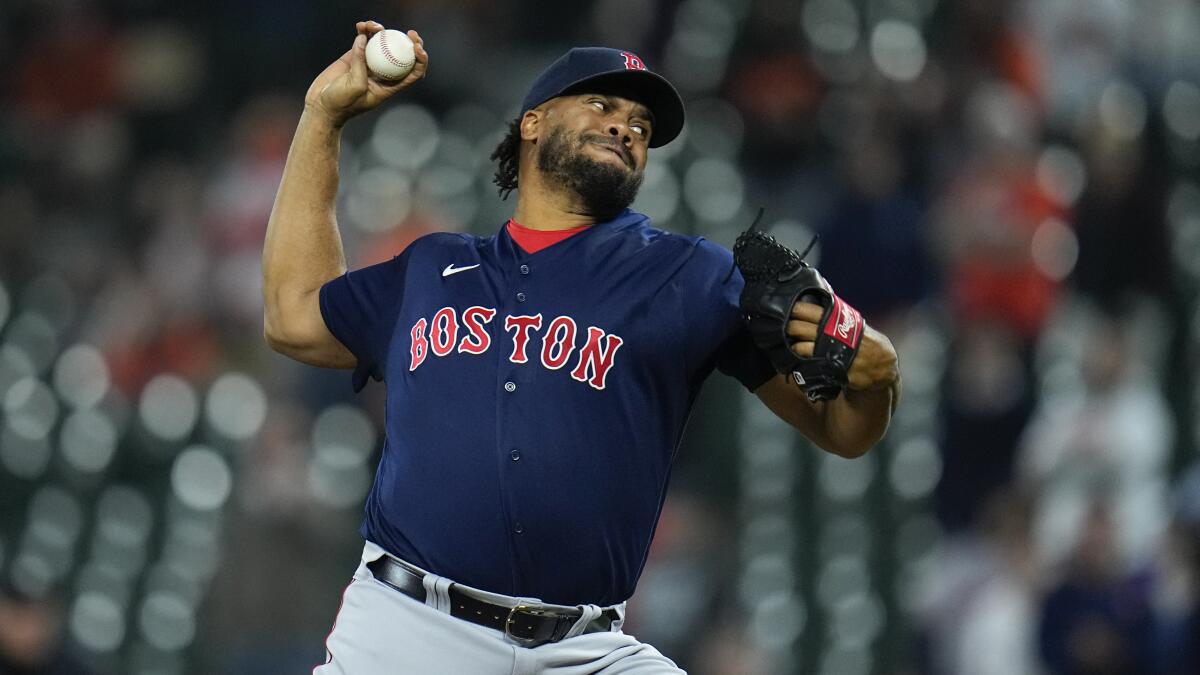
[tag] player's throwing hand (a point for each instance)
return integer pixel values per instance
(345, 88)
(873, 368)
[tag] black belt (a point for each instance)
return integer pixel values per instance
(528, 625)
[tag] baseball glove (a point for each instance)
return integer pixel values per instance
(776, 278)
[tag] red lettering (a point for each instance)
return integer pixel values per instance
(419, 347)
(558, 343)
(443, 331)
(477, 339)
(522, 324)
(596, 359)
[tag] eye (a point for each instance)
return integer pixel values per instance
(638, 129)
(600, 105)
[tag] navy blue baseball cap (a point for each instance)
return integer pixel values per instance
(611, 71)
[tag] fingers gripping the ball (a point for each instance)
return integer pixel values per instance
(346, 88)
(391, 55)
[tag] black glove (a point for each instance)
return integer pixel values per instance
(776, 278)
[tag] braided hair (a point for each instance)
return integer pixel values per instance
(508, 155)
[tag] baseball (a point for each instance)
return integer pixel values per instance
(390, 54)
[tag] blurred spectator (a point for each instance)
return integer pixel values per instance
(1097, 621)
(1177, 587)
(871, 248)
(987, 398)
(980, 601)
(1121, 221)
(1111, 436)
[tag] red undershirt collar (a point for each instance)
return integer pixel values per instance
(532, 241)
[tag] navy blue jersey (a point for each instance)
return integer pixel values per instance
(535, 401)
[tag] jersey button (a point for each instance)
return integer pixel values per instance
(510, 386)
(519, 528)
(515, 454)
(524, 269)
(520, 297)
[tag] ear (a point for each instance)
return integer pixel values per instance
(531, 124)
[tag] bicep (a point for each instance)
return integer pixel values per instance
(297, 330)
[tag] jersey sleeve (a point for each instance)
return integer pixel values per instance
(360, 309)
(731, 349)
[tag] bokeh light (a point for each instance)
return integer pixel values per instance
(81, 376)
(34, 335)
(1181, 108)
(23, 457)
(97, 622)
(379, 199)
(30, 408)
(88, 440)
(1055, 249)
(713, 189)
(168, 407)
(236, 406)
(778, 621)
(167, 621)
(831, 25)
(405, 136)
(845, 479)
(1123, 110)
(840, 578)
(898, 50)
(201, 479)
(1061, 174)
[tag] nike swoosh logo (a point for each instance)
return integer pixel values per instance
(451, 269)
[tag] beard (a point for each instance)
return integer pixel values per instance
(603, 190)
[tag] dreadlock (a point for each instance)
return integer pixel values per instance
(507, 153)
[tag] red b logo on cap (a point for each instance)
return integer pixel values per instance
(632, 62)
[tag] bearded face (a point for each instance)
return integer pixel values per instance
(604, 189)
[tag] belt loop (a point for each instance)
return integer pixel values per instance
(429, 581)
(436, 595)
(443, 594)
(588, 614)
(619, 610)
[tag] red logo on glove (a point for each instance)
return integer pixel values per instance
(632, 62)
(845, 324)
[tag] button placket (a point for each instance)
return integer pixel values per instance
(524, 270)
(516, 295)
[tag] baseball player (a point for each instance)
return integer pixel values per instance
(539, 379)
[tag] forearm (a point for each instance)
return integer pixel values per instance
(303, 248)
(848, 426)
(857, 420)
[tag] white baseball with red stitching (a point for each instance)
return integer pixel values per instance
(390, 55)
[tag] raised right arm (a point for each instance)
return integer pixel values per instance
(303, 249)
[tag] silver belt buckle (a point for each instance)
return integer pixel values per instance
(528, 609)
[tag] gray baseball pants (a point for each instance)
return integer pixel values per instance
(381, 631)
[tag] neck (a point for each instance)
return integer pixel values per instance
(538, 214)
(542, 207)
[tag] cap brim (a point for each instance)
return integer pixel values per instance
(649, 89)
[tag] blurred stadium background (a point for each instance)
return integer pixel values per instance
(1009, 189)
